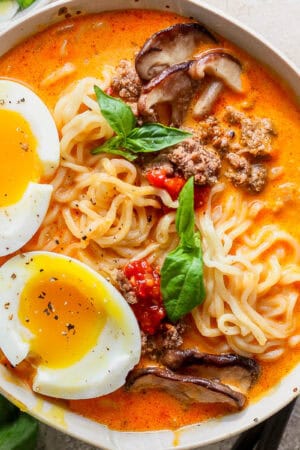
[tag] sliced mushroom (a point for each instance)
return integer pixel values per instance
(176, 85)
(236, 371)
(220, 64)
(188, 389)
(173, 88)
(207, 98)
(225, 70)
(170, 46)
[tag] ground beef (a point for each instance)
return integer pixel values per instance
(257, 178)
(212, 133)
(256, 133)
(126, 288)
(239, 176)
(171, 335)
(161, 161)
(192, 158)
(244, 143)
(126, 83)
(251, 176)
(148, 346)
(168, 337)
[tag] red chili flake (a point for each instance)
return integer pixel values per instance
(109, 91)
(159, 178)
(149, 317)
(145, 281)
(174, 186)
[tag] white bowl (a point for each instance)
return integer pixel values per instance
(206, 432)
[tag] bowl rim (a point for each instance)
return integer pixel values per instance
(214, 430)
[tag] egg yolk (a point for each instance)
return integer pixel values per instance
(19, 161)
(59, 309)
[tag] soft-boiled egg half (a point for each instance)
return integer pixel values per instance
(29, 152)
(77, 328)
(8, 9)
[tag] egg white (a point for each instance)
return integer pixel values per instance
(103, 369)
(20, 221)
(8, 9)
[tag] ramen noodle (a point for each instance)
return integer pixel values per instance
(107, 211)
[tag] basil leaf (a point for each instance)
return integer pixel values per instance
(114, 145)
(114, 142)
(182, 283)
(117, 113)
(21, 434)
(25, 3)
(152, 137)
(185, 219)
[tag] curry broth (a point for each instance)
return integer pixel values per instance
(90, 43)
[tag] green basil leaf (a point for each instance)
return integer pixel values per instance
(117, 113)
(153, 137)
(185, 219)
(21, 434)
(8, 411)
(25, 3)
(113, 142)
(114, 145)
(182, 283)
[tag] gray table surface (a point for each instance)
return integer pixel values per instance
(278, 21)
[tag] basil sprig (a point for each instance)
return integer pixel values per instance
(182, 283)
(18, 431)
(25, 3)
(131, 140)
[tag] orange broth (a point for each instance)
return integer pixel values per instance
(91, 42)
